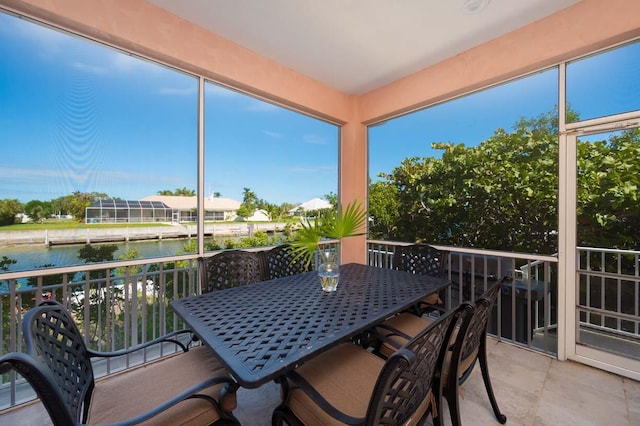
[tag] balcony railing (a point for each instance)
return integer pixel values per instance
(129, 301)
(128, 304)
(609, 300)
(527, 307)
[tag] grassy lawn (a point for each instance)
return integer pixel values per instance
(72, 224)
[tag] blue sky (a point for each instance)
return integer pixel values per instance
(77, 116)
(80, 117)
(469, 120)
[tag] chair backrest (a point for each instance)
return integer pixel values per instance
(40, 379)
(231, 268)
(474, 327)
(408, 375)
(66, 379)
(280, 262)
(420, 259)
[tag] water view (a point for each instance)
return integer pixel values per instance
(35, 256)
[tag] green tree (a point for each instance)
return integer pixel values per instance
(58, 206)
(76, 203)
(249, 203)
(608, 183)
(96, 297)
(38, 210)
(98, 253)
(285, 207)
(47, 280)
(501, 194)
(258, 239)
(184, 191)
(273, 210)
(332, 198)
(211, 245)
(6, 262)
(249, 197)
(129, 254)
(9, 208)
(383, 210)
(243, 211)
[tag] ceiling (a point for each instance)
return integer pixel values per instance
(356, 46)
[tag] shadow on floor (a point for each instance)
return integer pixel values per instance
(531, 389)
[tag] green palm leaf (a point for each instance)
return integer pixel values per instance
(347, 221)
(333, 224)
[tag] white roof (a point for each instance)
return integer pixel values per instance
(313, 204)
(259, 216)
(211, 204)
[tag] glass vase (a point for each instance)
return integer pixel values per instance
(329, 270)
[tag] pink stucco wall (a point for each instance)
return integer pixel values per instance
(582, 28)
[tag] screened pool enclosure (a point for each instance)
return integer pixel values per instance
(123, 211)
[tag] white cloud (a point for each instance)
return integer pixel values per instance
(314, 139)
(23, 30)
(260, 106)
(111, 176)
(13, 172)
(92, 69)
(124, 63)
(274, 135)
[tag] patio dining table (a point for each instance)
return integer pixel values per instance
(262, 330)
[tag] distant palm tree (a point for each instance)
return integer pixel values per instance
(185, 192)
(178, 192)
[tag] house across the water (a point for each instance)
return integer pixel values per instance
(160, 208)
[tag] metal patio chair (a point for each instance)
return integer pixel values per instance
(230, 268)
(191, 387)
(467, 346)
(349, 385)
(280, 262)
(422, 259)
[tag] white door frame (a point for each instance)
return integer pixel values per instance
(567, 342)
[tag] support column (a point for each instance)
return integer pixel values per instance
(353, 184)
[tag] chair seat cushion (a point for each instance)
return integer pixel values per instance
(133, 392)
(408, 324)
(432, 299)
(411, 325)
(464, 365)
(345, 376)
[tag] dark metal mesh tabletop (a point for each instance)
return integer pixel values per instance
(262, 330)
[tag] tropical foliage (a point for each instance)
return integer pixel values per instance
(608, 184)
(345, 221)
(503, 193)
(37, 210)
(9, 208)
(76, 203)
(184, 191)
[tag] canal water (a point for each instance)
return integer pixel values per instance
(35, 256)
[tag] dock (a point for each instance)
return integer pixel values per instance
(91, 235)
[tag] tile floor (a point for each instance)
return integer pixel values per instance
(531, 388)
